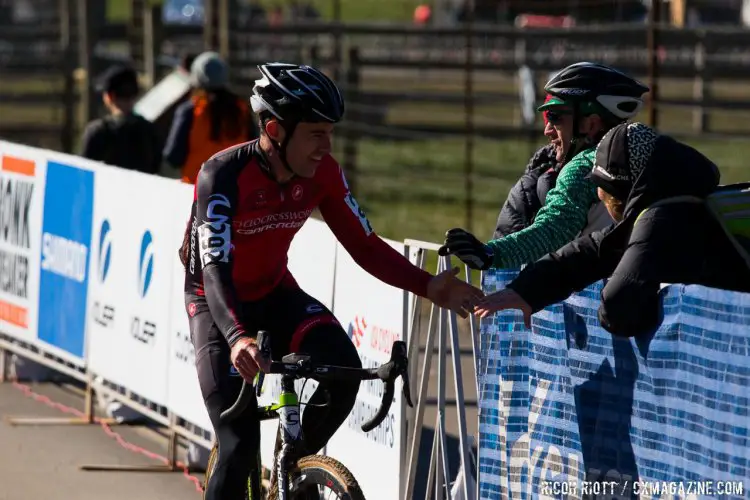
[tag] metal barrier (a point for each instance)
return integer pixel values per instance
(120, 394)
(442, 325)
(9, 345)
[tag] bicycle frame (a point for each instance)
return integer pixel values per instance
(287, 410)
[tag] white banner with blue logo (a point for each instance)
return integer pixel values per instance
(183, 391)
(130, 296)
(567, 408)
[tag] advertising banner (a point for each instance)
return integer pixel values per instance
(131, 291)
(65, 255)
(22, 174)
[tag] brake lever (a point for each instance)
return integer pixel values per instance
(399, 356)
(264, 345)
(407, 390)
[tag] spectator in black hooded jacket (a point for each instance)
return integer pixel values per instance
(649, 244)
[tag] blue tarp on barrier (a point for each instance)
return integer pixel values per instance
(569, 404)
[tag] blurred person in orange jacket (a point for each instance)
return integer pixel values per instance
(213, 119)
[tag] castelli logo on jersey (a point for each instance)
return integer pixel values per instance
(191, 309)
(297, 192)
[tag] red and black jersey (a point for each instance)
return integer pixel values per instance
(243, 222)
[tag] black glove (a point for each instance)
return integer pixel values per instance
(466, 247)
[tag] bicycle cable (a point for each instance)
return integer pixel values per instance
(314, 405)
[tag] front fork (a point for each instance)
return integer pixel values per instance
(291, 433)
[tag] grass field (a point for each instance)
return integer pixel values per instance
(351, 10)
(414, 188)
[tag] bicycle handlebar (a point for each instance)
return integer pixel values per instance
(302, 366)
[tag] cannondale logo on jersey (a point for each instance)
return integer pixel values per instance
(105, 249)
(146, 263)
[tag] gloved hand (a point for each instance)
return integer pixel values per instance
(466, 247)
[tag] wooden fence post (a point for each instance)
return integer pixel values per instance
(210, 27)
(351, 138)
(701, 86)
(67, 70)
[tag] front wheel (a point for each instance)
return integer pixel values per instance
(316, 477)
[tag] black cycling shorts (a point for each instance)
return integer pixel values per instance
(296, 322)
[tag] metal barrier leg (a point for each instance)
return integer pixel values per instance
(439, 480)
(87, 418)
(3, 365)
(432, 471)
(461, 413)
(474, 330)
(416, 427)
(89, 415)
(443, 475)
(170, 466)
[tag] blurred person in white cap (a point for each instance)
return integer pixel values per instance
(213, 119)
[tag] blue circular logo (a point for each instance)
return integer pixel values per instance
(105, 249)
(146, 263)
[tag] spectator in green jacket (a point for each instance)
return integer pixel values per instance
(587, 100)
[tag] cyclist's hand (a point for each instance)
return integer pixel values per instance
(445, 290)
(504, 299)
(468, 248)
(246, 357)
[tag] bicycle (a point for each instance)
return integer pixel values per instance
(297, 480)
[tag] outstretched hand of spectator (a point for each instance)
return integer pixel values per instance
(504, 299)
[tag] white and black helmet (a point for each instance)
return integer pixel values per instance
(587, 82)
(296, 93)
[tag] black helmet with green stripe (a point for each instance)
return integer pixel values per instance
(588, 88)
(596, 88)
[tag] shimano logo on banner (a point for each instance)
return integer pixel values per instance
(105, 250)
(64, 257)
(67, 235)
(146, 263)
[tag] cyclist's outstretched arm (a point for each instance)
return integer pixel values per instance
(562, 217)
(216, 191)
(351, 227)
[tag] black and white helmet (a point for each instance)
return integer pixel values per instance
(616, 92)
(296, 93)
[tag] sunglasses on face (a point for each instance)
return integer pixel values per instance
(555, 117)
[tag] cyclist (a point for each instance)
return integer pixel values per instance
(653, 186)
(588, 99)
(250, 201)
